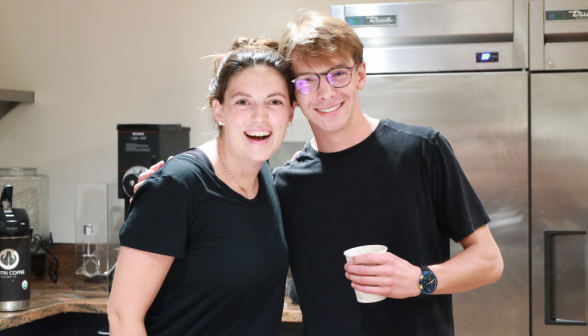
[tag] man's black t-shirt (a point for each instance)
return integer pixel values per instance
(231, 259)
(401, 187)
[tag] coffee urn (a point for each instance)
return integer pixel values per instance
(15, 261)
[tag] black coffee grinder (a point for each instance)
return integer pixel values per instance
(142, 145)
(15, 259)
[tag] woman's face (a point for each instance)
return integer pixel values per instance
(255, 113)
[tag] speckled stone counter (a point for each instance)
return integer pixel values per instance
(49, 299)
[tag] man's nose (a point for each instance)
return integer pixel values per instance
(325, 90)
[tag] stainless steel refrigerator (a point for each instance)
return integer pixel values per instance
(459, 67)
(559, 166)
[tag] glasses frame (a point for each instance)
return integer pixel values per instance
(325, 74)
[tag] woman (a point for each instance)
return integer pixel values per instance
(203, 251)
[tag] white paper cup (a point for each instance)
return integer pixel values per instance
(376, 249)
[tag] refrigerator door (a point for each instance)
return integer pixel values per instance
(559, 198)
(485, 118)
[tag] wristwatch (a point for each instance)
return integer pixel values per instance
(428, 282)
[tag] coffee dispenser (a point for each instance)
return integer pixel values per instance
(141, 146)
(15, 263)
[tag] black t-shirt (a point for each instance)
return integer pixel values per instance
(401, 187)
(231, 259)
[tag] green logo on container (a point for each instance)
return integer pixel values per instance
(25, 285)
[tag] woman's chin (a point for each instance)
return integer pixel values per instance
(261, 156)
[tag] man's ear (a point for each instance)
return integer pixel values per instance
(294, 104)
(361, 76)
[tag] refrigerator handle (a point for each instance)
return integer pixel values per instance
(549, 320)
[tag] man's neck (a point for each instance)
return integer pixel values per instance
(354, 132)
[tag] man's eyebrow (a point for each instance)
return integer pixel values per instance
(337, 66)
(239, 93)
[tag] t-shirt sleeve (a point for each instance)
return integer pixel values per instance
(458, 209)
(159, 215)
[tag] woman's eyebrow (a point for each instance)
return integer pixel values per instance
(276, 94)
(239, 93)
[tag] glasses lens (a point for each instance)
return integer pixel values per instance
(339, 77)
(307, 84)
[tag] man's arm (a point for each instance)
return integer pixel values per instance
(145, 175)
(479, 264)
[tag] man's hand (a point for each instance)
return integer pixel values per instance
(147, 174)
(479, 264)
(384, 274)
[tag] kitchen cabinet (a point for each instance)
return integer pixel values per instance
(68, 324)
(84, 324)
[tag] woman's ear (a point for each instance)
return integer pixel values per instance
(217, 109)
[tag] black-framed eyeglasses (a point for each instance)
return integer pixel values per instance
(337, 78)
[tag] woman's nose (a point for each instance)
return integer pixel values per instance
(259, 113)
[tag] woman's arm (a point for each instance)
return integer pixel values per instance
(137, 280)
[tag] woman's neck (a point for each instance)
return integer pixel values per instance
(238, 173)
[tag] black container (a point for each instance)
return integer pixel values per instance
(15, 258)
(142, 145)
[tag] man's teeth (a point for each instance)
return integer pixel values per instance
(258, 133)
(331, 109)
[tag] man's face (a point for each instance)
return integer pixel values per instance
(330, 109)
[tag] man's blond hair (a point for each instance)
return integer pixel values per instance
(318, 37)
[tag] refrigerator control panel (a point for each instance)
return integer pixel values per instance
(485, 57)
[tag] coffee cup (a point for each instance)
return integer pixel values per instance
(375, 249)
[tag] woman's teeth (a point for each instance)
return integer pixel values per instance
(331, 109)
(258, 135)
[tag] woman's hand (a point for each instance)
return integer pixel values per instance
(137, 280)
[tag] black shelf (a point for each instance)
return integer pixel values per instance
(9, 99)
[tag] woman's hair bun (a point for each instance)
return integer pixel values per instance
(254, 43)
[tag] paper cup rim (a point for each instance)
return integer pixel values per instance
(346, 253)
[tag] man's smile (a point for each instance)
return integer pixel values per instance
(334, 108)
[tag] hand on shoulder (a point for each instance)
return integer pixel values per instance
(145, 175)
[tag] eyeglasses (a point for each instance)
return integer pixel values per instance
(337, 78)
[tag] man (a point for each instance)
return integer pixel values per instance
(363, 181)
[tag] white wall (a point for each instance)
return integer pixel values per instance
(96, 64)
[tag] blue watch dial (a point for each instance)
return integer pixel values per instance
(428, 282)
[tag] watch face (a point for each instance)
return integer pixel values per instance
(428, 282)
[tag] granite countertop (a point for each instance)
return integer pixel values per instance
(49, 299)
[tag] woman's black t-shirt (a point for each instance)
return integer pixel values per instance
(231, 258)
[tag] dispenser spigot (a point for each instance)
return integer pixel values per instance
(6, 198)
